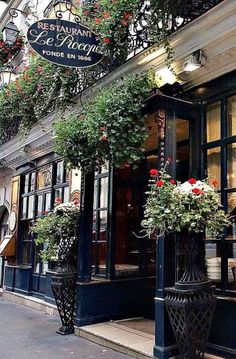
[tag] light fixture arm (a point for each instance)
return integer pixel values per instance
(14, 12)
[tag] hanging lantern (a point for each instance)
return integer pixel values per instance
(10, 33)
(7, 75)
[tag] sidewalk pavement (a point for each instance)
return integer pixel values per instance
(26, 333)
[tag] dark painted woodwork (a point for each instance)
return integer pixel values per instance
(100, 301)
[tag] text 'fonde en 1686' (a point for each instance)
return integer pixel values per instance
(65, 43)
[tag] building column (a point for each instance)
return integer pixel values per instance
(165, 345)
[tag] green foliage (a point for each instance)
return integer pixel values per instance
(52, 229)
(40, 89)
(193, 206)
(110, 128)
(112, 21)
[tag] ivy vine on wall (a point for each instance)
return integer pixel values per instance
(39, 90)
(109, 128)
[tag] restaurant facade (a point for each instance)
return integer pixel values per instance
(191, 122)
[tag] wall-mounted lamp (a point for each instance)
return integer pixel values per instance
(61, 9)
(7, 75)
(10, 33)
(194, 61)
(10, 30)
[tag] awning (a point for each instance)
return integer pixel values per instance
(8, 246)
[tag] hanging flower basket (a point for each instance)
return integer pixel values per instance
(7, 52)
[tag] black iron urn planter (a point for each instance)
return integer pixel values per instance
(191, 302)
(64, 286)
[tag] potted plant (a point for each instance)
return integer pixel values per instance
(57, 234)
(187, 209)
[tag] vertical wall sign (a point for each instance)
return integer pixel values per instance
(161, 117)
(65, 43)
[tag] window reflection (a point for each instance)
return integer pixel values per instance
(213, 165)
(232, 212)
(213, 115)
(44, 177)
(104, 192)
(231, 116)
(60, 172)
(231, 165)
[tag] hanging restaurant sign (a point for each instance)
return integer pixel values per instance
(65, 43)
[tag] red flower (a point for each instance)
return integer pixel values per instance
(106, 15)
(197, 191)
(46, 212)
(160, 183)
(86, 12)
(127, 15)
(106, 40)
(104, 138)
(192, 180)
(153, 172)
(58, 200)
(172, 181)
(76, 202)
(215, 183)
(97, 20)
(125, 23)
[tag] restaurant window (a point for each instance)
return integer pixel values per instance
(41, 189)
(220, 164)
(100, 218)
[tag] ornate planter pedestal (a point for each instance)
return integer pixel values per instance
(64, 290)
(191, 303)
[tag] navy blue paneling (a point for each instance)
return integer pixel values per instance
(9, 278)
(106, 300)
(22, 280)
(48, 295)
(222, 339)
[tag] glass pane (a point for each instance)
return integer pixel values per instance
(67, 176)
(152, 162)
(95, 194)
(232, 268)
(213, 262)
(127, 244)
(32, 182)
(99, 258)
(104, 192)
(231, 165)
(58, 196)
(26, 252)
(40, 205)
(105, 168)
(213, 115)
(231, 116)
(60, 172)
(232, 213)
(31, 207)
(26, 187)
(103, 225)
(24, 207)
(213, 165)
(183, 150)
(47, 207)
(66, 195)
(44, 177)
